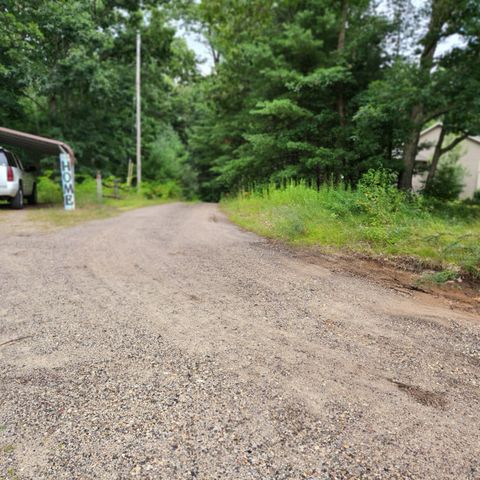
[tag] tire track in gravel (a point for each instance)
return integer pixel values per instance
(167, 343)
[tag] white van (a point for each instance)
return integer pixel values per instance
(16, 183)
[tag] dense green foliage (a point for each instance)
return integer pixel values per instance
(449, 179)
(374, 219)
(50, 192)
(309, 90)
(67, 71)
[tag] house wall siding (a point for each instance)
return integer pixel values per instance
(469, 160)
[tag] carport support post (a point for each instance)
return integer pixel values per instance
(68, 181)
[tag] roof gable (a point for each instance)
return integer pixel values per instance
(439, 124)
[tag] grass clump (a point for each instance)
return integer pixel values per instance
(88, 206)
(439, 278)
(8, 448)
(375, 219)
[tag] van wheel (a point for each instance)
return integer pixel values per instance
(17, 201)
(33, 199)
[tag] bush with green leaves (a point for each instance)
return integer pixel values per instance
(49, 189)
(168, 163)
(167, 190)
(448, 183)
(378, 195)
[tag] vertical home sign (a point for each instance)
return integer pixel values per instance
(68, 181)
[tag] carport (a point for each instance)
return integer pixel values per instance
(41, 147)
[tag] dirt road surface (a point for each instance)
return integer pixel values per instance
(168, 344)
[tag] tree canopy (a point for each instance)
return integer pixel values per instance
(67, 70)
(314, 90)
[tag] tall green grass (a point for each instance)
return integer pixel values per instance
(374, 219)
(50, 191)
(88, 206)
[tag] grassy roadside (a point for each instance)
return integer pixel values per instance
(51, 214)
(375, 220)
(56, 216)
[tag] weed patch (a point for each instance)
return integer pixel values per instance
(376, 219)
(89, 207)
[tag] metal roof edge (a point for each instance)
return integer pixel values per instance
(28, 137)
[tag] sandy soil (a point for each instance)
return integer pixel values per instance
(168, 344)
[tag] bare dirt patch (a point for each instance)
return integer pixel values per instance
(401, 274)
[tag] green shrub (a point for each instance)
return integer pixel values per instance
(447, 184)
(167, 190)
(49, 189)
(476, 197)
(379, 197)
(440, 277)
(86, 191)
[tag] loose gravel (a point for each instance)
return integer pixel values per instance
(168, 344)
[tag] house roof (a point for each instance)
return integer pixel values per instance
(34, 143)
(439, 124)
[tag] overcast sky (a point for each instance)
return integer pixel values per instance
(204, 57)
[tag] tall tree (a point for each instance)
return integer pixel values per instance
(74, 78)
(285, 91)
(445, 19)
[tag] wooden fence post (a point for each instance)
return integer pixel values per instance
(99, 186)
(129, 173)
(115, 188)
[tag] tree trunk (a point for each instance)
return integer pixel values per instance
(390, 146)
(340, 96)
(215, 56)
(441, 150)
(430, 41)
(215, 53)
(340, 49)
(343, 26)
(51, 110)
(410, 149)
(436, 157)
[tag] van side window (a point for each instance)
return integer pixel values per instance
(19, 162)
(11, 160)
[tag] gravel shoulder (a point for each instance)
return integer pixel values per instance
(166, 343)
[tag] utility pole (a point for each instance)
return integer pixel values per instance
(139, 111)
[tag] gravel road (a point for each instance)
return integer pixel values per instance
(166, 343)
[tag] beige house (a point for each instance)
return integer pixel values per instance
(469, 160)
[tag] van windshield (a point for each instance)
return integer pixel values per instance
(3, 160)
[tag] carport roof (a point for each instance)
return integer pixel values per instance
(34, 143)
